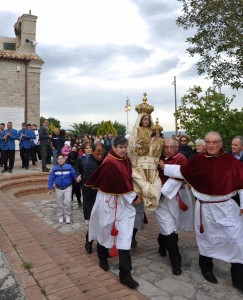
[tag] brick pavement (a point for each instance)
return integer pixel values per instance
(63, 270)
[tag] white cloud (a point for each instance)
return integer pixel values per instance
(97, 53)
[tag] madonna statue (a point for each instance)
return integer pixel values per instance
(145, 146)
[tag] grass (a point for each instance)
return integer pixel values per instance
(27, 265)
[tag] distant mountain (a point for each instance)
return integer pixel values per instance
(170, 133)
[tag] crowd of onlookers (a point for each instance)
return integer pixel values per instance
(41, 145)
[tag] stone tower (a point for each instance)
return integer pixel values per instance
(20, 69)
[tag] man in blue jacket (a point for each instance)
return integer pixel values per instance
(24, 136)
(62, 175)
(8, 138)
(2, 126)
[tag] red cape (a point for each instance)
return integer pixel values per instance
(214, 175)
(113, 176)
(177, 159)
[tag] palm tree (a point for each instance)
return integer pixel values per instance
(80, 129)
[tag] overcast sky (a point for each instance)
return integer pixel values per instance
(98, 52)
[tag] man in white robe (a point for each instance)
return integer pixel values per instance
(113, 214)
(216, 176)
(174, 212)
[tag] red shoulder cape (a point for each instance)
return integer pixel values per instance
(214, 175)
(113, 176)
(177, 159)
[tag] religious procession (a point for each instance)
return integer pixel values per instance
(117, 179)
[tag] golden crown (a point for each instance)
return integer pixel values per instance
(144, 107)
(157, 127)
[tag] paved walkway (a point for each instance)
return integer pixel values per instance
(61, 268)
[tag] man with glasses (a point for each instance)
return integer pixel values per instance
(215, 177)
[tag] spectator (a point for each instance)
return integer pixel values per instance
(24, 136)
(237, 147)
(55, 145)
(237, 152)
(108, 143)
(62, 175)
(76, 188)
(2, 126)
(89, 194)
(8, 138)
(44, 137)
(61, 140)
(200, 147)
(35, 145)
(66, 149)
(183, 146)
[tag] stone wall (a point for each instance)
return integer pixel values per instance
(12, 91)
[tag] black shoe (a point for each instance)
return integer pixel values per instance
(4, 171)
(176, 270)
(162, 251)
(26, 168)
(129, 281)
(104, 264)
(134, 243)
(22, 167)
(10, 171)
(45, 170)
(208, 275)
(88, 247)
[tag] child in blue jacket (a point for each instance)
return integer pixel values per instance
(62, 175)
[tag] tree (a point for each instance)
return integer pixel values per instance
(80, 129)
(218, 40)
(200, 114)
(55, 122)
(120, 128)
(106, 127)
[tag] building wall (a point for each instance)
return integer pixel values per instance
(20, 73)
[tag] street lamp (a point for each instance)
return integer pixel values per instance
(176, 126)
(127, 109)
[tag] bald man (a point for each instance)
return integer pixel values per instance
(215, 177)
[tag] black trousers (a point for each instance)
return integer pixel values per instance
(8, 157)
(25, 157)
(170, 243)
(1, 158)
(76, 190)
(206, 264)
(125, 261)
(35, 150)
(44, 153)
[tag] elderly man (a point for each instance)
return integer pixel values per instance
(237, 147)
(174, 212)
(216, 176)
(112, 217)
(237, 152)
